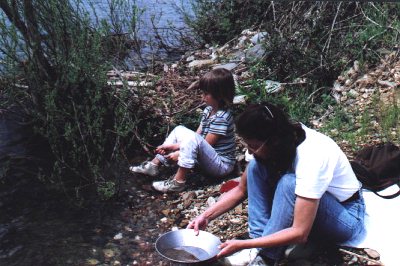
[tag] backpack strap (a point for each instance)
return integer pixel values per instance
(389, 196)
(372, 183)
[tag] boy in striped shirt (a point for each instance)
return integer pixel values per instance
(212, 146)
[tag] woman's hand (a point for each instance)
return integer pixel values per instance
(229, 247)
(200, 223)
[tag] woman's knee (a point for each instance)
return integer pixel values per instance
(256, 168)
(287, 183)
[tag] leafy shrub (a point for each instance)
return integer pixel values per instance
(314, 40)
(55, 74)
(219, 21)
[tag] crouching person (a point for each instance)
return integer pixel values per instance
(299, 184)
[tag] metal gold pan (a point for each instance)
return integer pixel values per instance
(184, 246)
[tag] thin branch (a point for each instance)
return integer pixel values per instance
(36, 39)
(13, 56)
(273, 11)
(81, 134)
(13, 16)
(373, 37)
(188, 111)
(327, 44)
(377, 262)
(377, 24)
(369, 19)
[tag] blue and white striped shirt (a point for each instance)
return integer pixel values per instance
(220, 123)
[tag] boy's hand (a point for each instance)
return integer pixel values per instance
(159, 150)
(165, 148)
(173, 156)
(162, 149)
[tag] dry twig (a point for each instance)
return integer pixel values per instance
(328, 42)
(361, 257)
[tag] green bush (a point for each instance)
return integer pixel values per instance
(219, 21)
(55, 75)
(297, 101)
(314, 40)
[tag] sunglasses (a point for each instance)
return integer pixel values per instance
(259, 148)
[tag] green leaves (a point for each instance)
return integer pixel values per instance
(65, 93)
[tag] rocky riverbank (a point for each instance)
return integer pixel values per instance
(150, 214)
(124, 232)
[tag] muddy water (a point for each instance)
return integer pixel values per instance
(37, 227)
(186, 254)
(41, 230)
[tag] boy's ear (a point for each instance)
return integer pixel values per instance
(194, 86)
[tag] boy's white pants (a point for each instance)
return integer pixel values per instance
(194, 149)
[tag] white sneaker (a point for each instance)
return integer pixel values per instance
(262, 261)
(240, 258)
(147, 168)
(170, 185)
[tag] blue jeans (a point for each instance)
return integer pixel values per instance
(272, 210)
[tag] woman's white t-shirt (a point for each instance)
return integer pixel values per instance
(321, 166)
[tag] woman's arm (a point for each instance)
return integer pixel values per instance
(226, 202)
(304, 214)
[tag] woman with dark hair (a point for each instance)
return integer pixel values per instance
(299, 185)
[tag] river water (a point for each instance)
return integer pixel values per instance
(159, 25)
(38, 228)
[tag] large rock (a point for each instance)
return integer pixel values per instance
(200, 63)
(240, 99)
(229, 66)
(259, 37)
(238, 55)
(273, 86)
(255, 53)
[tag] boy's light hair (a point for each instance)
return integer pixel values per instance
(220, 84)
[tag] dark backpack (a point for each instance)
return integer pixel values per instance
(378, 167)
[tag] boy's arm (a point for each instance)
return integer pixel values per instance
(198, 131)
(212, 138)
